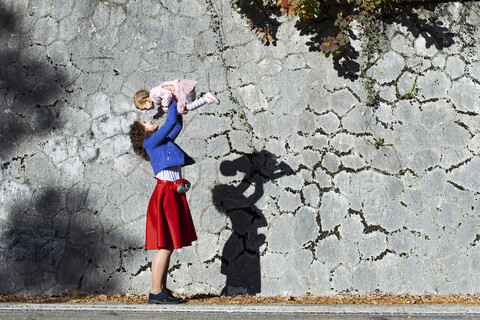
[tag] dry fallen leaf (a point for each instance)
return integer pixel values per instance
(360, 298)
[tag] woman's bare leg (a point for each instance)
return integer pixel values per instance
(160, 264)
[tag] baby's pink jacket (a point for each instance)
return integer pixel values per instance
(163, 95)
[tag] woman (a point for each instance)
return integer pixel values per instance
(169, 222)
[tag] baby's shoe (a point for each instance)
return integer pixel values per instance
(211, 98)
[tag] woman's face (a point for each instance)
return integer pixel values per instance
(149, 126)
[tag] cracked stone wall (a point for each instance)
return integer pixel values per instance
(293, 192)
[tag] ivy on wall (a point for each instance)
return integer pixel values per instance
(342, 12)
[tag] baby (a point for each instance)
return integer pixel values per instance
(182, 91)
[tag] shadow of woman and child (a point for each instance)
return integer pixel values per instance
(241, 253)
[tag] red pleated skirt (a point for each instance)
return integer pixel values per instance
(169, 222)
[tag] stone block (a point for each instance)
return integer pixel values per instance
(463, 175)
(295, 62)
(342, 279)
(310, 158)
(407, 111)
(273, 265)
(394, 216)
(329, 122)
(208, 171)
(306, 122)
(343, 142)
(388, 68)
(455, 67)
(126, 163)
(474, 144)
(474, 70)
(319, 279)
(433, 85)
(465, 95)
(352, 161)
(456, 266)
(200, 129)
(331, 162)
(211, 220)
(461, 285)
(390, 274)
(333, 210)
(127, 236)
(218, 146)
(414, 277)
(364, 277)
(372, 245)
(351, 228)
(56, 148)
(467, 232)
(423, 48)
(206, 248)
(311, 195)
(281, 236)
(436, 113)
(110, 217)
(434, 182)
(293, 182)
(341, 102)
(270, 67)
(101, 174)
(306, 225)
(423, 160)
(307, 79)
(319, 141)
(322, 178)
(270, 286)
(350, 254)
(355, 121)
(449, 215)
(402, 45)
(401, 242)
(293, 285)
(40, 170)
(70, 172)
(45, 31)
(328, 252)
(134, 208)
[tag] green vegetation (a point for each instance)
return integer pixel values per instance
(343, 12)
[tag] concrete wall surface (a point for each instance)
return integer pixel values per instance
(294, 191)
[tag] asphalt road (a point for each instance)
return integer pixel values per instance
(244, 312)
(110, 315)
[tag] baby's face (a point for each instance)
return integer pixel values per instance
(146, 105)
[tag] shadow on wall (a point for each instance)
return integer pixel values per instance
(241, 254)
(30, 87)
(432, 29)
(50, 242)
(54, 245)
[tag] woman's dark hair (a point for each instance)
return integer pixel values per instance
(137, 136)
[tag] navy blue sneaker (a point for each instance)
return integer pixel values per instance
(162, 298)
(170, 294)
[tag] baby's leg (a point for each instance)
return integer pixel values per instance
(192, 105)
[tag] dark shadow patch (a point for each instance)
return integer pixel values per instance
(241, 253)
(30, 87)
(432, 29)
(262, 19)
(52, 249)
